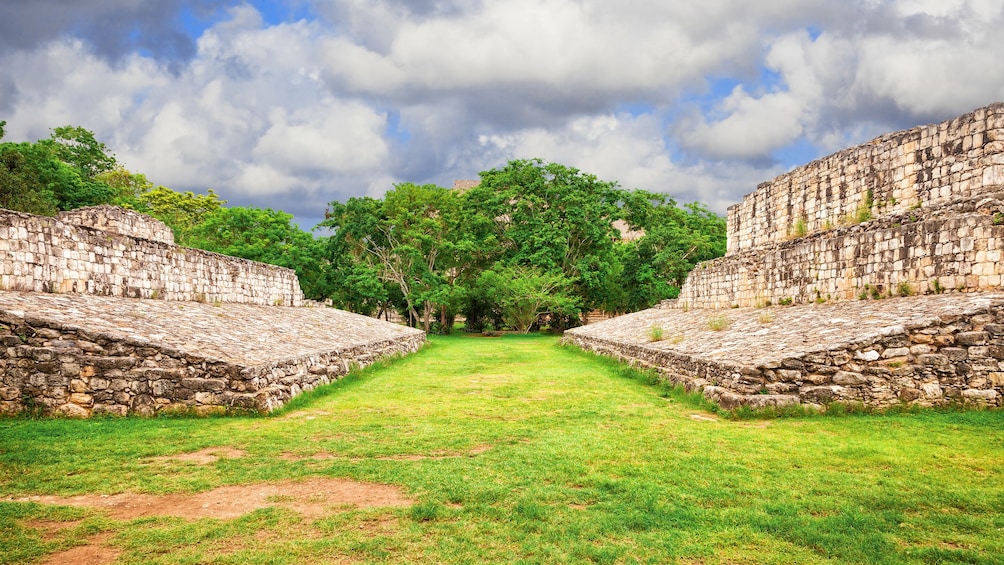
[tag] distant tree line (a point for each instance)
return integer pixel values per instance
(533, 245)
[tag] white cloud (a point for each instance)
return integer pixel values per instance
(380, 91)
(334, 137)
(632, 151)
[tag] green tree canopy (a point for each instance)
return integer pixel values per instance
(267, 236)
(553, 218)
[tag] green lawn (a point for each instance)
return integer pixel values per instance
(517, 450)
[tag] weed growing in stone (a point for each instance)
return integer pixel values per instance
(936, 286)
(718, 322)
(655, 333)
(905, 289)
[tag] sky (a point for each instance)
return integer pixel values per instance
(294, 104)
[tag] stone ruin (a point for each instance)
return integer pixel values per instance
(869, 276)
(101, 313)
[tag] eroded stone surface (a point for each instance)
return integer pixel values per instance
(927, 350)
(80, 354)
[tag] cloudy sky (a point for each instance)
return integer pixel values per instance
(293, 104)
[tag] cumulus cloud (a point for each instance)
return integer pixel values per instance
(904, 63)
(367, 93)
(114, 28)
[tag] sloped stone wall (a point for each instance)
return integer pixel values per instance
(83, 355)
(42, 254)
(923, 166)
(930, 351)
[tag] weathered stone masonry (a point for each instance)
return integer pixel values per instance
(948, 248)
(116, 319)
(923, 166)
(927, 350)
(917, 214)
(937, 203)
(132, 255)
(78, 355)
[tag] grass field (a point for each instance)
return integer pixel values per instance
(517, 450)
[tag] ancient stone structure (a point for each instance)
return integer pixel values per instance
(917, 214)
(83, 354)
(922, 208)
(97, 340)
(129, 254)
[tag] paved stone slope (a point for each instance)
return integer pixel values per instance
(81, 354)
(929, 350)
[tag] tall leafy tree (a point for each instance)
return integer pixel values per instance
(181, 211)
(675, 239)
(553, 218)
(523, 294)
(406, 239)
(20, 187)
(61, 170)
(263, 235)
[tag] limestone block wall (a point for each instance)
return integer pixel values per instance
(119, 220)
(134, 256)
(924, 166)
(947, 249)
(73, 372)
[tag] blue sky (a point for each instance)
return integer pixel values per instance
(294, 104)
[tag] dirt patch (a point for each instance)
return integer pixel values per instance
(307, 414)
(94, 553)
(50, 529)
(703, 418)
(205, 456)
(312, 498)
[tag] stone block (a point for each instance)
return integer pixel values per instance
(847, 378)
(932, 390)
(982, 396)
(820, 394)
(869, 355)
(71, 410)
(954, 354)
(110, 410)
(933, 360)
(972, 338)
(895, 352)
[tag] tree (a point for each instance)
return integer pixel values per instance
(57, 173)
(127, 187)
(552, 218)
(403, 238)
(675, 239)
(524, 294)
(78, 148)
(20, 188)
(267, 236)
(181, 211)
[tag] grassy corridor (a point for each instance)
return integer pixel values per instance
(516, 450)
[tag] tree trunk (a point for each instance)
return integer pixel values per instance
(427, 315)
